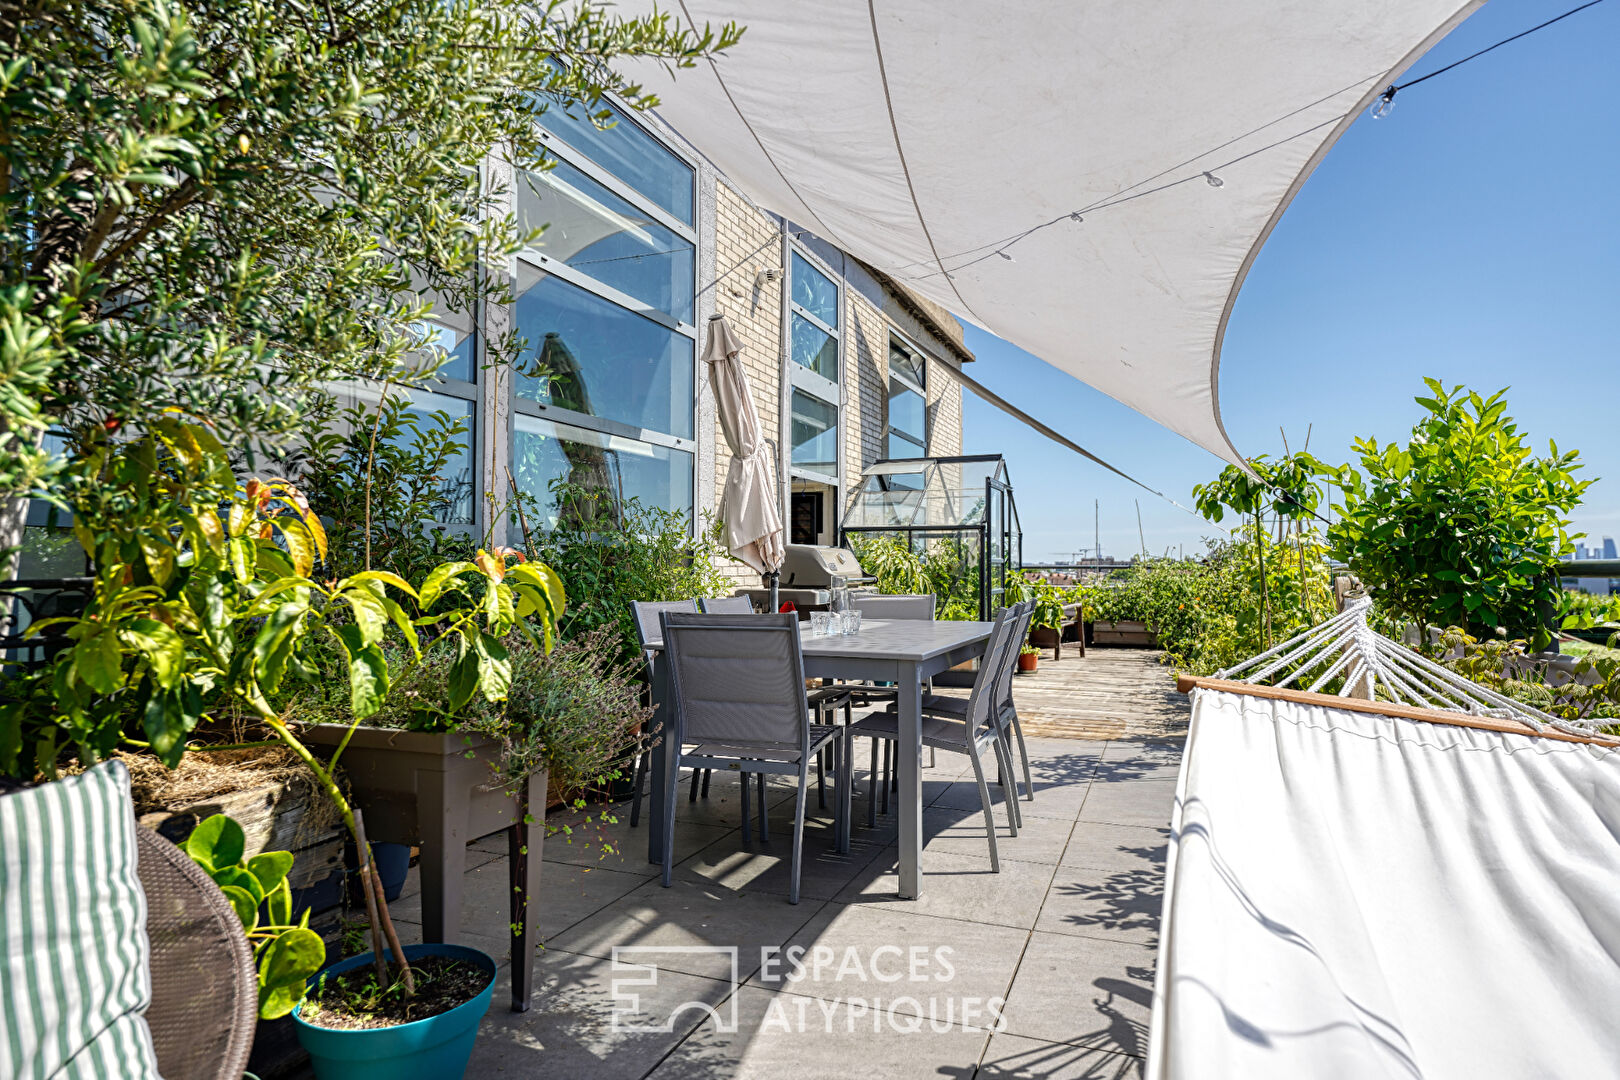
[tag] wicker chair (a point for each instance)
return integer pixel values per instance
(205, 992)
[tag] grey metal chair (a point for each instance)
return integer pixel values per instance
(971, 734)
(736, 686)
(648, 630)
(904, 606)
(1005, 712)
(727, 605)
(824, 700)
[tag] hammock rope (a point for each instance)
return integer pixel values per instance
(1377, 668)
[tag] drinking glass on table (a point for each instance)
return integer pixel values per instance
(852, 621)
(820, 623)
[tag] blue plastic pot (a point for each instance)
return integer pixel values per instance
(434, 1049)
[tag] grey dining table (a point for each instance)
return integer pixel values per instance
(905, 652)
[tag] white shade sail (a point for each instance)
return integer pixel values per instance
(1354, 896)
(925, 136)
(753, 524)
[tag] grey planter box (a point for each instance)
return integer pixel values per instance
(423, 788)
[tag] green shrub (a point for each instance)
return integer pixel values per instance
(610, 552)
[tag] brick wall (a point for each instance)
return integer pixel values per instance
(750, 242)
(746, 242)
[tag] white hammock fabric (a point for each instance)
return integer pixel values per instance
(1357, 895)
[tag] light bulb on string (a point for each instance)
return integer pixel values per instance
(1004, 255)
(1213, 180)
(1384, 105)
(1076, 216)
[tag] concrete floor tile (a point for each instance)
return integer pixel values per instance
(769, 868)
(861, 951)
(1101, 846)
(570, 1031)
(568, 894)
(961, 832)
(694, 914)
(1120, 904)
(1130, 802)
(1013, 1057)
(785, 1036)
(958, 887)
(1083, 991)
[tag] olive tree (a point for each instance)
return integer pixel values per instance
(211, 207)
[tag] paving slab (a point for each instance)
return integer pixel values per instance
(919, 962)
(697, 920)
(1130, 802)
(958, 887)
(1013, 1057)
(1120, 904)
(947, 830)
(1084, 991)
(786, 1037)
(580, 1029)
(1102, 846)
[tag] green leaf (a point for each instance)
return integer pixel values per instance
(98, 661)
(242, 902)
(271, 868)
(439, 576)
(370, 616)
(463, 679)
(393, 580)
(368, 681)
(238, 877)
(285, 968)
(161, 648)
(494, 667)
(276, 640)
(216, 842)
(280, 903)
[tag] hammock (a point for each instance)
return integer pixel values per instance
(1419, 882)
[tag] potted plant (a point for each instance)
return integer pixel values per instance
(1028, 657)
(194, 609)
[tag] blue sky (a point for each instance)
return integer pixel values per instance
(1473, 235)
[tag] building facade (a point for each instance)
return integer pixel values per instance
(643, 242)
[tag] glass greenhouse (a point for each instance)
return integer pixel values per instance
(957, 513)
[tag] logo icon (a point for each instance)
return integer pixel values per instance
(635, 967)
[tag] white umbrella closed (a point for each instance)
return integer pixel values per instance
(748, 507)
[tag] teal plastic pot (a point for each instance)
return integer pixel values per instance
(433, 1049)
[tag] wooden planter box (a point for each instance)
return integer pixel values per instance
(425, 789)
(274, 816)
(1123, 632)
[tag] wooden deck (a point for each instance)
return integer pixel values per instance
(1106, 694)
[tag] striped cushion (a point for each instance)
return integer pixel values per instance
(74, 982)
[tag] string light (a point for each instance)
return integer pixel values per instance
(1076, 216)
(1004, 255)
(1212, 180)
(1385, 103)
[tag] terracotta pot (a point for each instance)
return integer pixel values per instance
(1028, 660)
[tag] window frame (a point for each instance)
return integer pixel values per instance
(803, 380)
(557, 146)
(889, 430)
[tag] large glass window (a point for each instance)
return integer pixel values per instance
(588, 354)
(814, 348)
(544, 452)
(815, 434)
(814, 291)
(907, 431)
(629, 153)
(449, 342)
(596, 232)
(456, 480)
